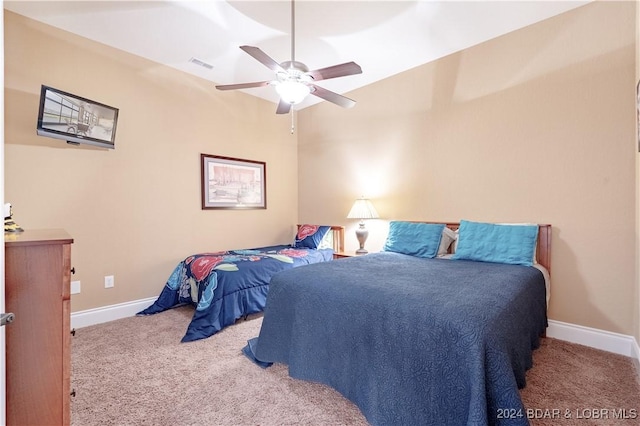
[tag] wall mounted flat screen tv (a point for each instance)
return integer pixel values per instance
(75, 119)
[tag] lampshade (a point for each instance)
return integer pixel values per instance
(292, 92)
(362, 209)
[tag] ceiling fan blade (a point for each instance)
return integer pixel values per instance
(283, 107)
(330, 96)
(243, 85)
(263, 58)
(348, 68)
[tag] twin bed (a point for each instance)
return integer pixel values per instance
(412, 338)
(227, 285)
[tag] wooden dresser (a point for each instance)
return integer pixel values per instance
(37, 281)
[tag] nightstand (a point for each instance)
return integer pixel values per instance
(343, 254)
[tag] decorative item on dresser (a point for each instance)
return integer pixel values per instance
(362, 209)
(9, 224)
(37, 281)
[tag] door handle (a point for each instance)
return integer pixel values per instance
(7, 318)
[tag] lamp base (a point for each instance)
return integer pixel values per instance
(361, 234)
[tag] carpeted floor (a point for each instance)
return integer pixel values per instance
(135, 371)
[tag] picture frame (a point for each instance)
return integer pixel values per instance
(233, 183)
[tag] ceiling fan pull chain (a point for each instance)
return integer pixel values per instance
(292, 122)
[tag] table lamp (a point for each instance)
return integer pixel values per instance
(362, 209)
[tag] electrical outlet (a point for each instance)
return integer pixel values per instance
(108, 281)
(75, 287)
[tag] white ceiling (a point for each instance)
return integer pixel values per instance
(383, 37)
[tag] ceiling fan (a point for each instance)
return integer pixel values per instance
(294, 81)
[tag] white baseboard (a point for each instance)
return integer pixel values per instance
(109, 313)
(600, 339)
(636, 350)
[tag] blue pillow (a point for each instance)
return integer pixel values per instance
(488, 242)
(415, 239)
(310, 236)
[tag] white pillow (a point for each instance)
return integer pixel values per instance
(327, 241)
(448, 237)
(454, 245)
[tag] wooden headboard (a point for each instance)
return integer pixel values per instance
(338, 238)
(543, 248)
(543, 252)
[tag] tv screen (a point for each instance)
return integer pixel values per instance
(75, 119)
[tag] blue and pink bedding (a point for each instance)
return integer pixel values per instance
(227, 285)
(411, 341)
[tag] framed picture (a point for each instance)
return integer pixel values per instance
(232, 183)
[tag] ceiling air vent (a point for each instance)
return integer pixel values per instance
(201, 63)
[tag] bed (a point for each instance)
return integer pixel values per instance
(415, 339)
(227, 285)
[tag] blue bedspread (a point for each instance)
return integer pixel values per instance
(227, 285)
(410, 341)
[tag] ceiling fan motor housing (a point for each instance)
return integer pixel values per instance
(295, 66)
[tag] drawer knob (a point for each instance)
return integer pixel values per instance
(7, 318)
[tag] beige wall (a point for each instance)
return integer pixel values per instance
(134, 212)
(535, 126)
(637, 313)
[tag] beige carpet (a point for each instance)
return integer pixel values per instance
(135, 371)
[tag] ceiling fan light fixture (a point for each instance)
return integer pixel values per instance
(292, 92)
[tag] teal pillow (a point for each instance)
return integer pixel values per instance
(488, 242)
(414, 239)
